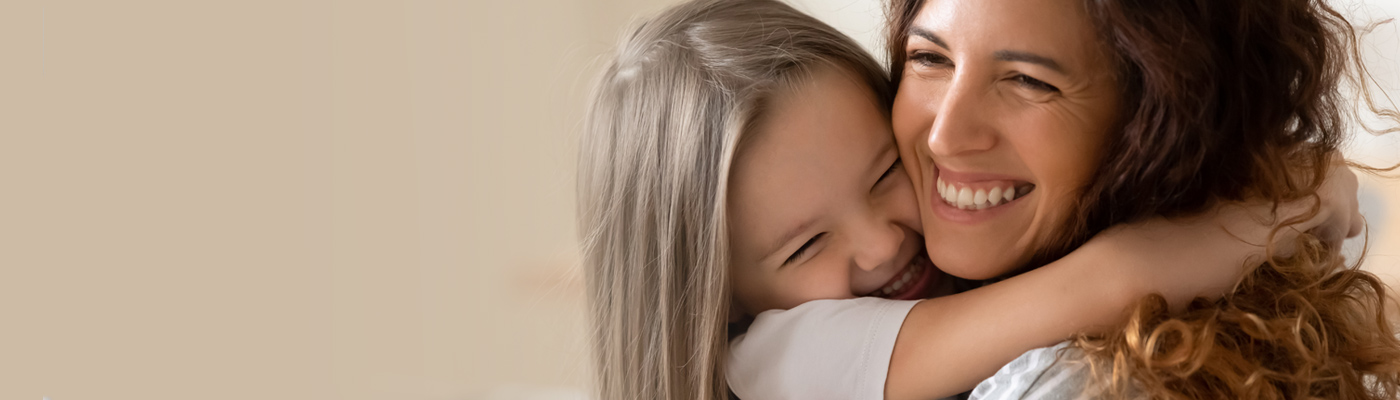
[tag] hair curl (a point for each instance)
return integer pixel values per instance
(1299, 328)
(1231, 100)
(1226, 100)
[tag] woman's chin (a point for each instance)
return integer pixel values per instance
(966, 263)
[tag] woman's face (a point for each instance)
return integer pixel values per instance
(1002, 114)
(820, 206)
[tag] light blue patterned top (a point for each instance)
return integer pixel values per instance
(1050, 373)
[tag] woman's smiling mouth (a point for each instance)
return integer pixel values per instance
(977, 196)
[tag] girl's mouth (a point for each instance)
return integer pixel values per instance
(913, 283)
(982, 195)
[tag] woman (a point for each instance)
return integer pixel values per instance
(663, 134)
(1111, 111)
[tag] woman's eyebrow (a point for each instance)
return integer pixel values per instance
(1003, 55)
(1021, 56)
(927, 35)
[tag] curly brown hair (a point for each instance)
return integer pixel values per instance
(1225, 100)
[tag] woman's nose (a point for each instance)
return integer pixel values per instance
(959, 124)
(878, 244)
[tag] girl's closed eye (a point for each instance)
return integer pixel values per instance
(802, 251)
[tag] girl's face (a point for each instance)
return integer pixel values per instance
(1002, 114)
(820, 206)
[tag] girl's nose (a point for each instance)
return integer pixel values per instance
(878, 244)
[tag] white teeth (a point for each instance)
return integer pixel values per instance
(967, 199)
(914, 270)
(904, 279)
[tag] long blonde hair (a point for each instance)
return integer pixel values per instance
(665, 122)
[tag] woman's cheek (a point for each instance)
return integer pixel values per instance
(911, 122)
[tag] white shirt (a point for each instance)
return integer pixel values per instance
(841, 349)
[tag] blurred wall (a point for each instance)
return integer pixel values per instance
(320, 199)
(293, 199)
(1380, 197)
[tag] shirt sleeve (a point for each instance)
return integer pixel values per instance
(823, 349)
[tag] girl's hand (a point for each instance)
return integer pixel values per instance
(1339, 217)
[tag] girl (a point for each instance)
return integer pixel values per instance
(725, 133)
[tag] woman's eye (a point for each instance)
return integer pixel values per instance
(803, 250)
(1035, 84)
(928, 59)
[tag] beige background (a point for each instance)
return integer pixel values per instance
(321, 199)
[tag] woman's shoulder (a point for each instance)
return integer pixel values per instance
(1058, 372)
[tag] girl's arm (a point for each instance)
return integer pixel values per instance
(948, 344)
